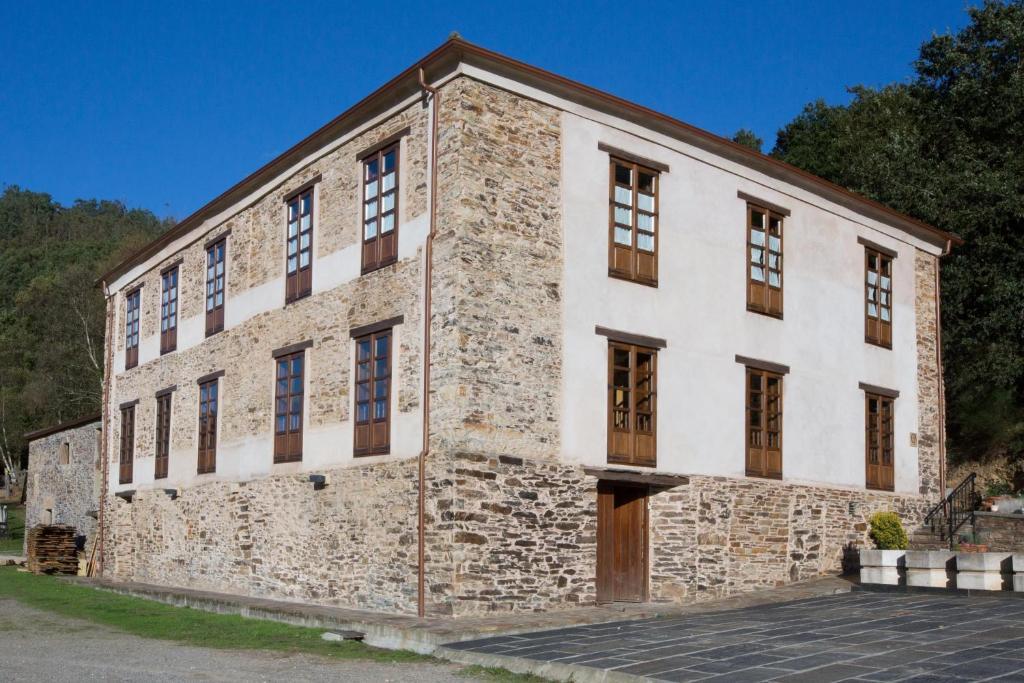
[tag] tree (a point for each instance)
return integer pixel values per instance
(748, 138)
(52, 315)
(948, 147)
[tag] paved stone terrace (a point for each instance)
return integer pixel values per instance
(859, 636)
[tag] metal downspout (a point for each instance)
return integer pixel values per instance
(421, 607)
(942, 382)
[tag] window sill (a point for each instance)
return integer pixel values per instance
(615, 460)
(878, 344)
(777, 316)
(285, 461)
(367, 454)
(378, 266)
(758, 475)
(291, 302)
(628, 278)
(880, 488)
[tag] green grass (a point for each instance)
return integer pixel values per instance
(151, 619)
(497, 675)
(14, 545)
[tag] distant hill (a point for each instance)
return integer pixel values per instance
(52, 314)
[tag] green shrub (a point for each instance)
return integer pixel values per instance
(887, 531)
(998, 488)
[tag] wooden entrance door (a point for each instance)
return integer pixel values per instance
(621, 543)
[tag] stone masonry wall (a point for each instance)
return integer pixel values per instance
(256, 256)
(71, 491)
(718, 535)
(1000, 532)
(524, 534)
(928, 427)
(498, 278)
(352, 543)
(256, 247)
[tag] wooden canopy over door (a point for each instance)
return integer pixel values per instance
(621, 543)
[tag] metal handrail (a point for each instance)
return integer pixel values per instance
(955, 510)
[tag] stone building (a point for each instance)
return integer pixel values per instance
(618, 306)
(63, 483)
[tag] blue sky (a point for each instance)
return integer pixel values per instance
(164, 105)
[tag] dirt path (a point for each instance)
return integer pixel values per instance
(40, 646)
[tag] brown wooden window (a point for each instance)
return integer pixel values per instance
(127, 454)
(879, 442)
(215, 259)
(299, 268)
(288, 407)
(373, 394)
(632, 409)
(169, 311)
(131, 329)
(633, 217)
(877, 298)
(380, 208)
(764, 260)
(764, 424)
(163, 435)
(208, 427)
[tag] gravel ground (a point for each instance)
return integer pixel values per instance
(40, 646)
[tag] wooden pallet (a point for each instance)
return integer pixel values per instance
(51, 550)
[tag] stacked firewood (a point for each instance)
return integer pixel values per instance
(51, 550)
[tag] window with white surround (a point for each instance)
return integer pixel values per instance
(299, 264)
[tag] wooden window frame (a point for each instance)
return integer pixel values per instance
(131, 327)
(209, 409)
(170, 283)
(216, 285)
(636, 256)
(299, 284)
(163, 435)
(288, 441)
(126, 456)
(372, 436)
(759, 457)
(632, 445)
(877, 331)
(382, 249)
(762, 296)
(879, 435)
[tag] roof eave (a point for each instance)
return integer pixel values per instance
(456, 49)
(63, 426)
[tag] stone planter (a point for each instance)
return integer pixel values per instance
(931, 568)
(984, 571)
(882, 566)
(1018, 572)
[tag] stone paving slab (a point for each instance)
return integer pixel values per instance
(858, 636)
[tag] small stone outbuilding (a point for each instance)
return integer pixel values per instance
(63, 485)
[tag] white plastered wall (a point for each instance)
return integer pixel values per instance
(699, 307)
